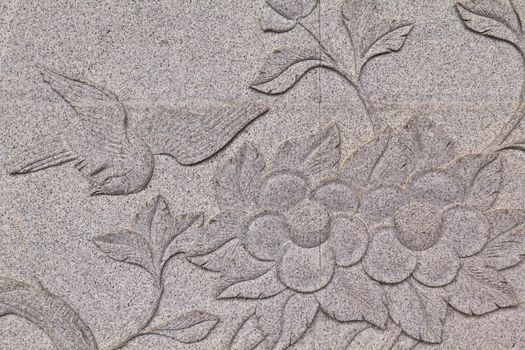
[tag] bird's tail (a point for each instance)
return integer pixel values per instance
(39, 155)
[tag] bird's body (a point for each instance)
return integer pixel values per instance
(113, 157)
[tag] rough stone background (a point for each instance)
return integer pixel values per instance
(153, 52)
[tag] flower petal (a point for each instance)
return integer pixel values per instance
(387, 260)
(379, 204)
(306, 269)
(283, 190)
(348, 240)
(437, 266)
(467, 229)
(352, 296)
(337, 196)
(266, 235)
(436, 187)
(418, 225)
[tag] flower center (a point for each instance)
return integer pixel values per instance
(309, 224)
(418, 225)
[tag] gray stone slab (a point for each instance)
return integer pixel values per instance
(270, 174)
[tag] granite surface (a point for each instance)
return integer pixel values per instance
(269, 174)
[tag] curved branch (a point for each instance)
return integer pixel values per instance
(146, 323)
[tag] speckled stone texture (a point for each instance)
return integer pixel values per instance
(268, 174)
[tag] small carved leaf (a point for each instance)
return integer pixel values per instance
(293, 9)
(238, 181)
(298, 315)
(369, 337)
(159, 227)
(494, 18)
(221, 229)
(284, 68)
(505, 250)
(388, 37)
(479, 289)
(417, 310)
(271, 21)
(358, 168)
(181, 224)
(352, 296)
(261, 287)
(372, 34)
(381, 162)
(248, 336)
(486, 185)
(127, 246)
(316, 155)
(61, 323)
(426, 144)
(233, 262)
(189, 328)
(503, 220)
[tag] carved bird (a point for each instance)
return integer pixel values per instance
(117, 159)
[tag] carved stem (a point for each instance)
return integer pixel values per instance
(376, 122)
(513, 123)
(317, 39)
(144, 324)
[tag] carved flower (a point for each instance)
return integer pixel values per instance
(305, 232)
(424, 216)
(288, 237)
(432, 225)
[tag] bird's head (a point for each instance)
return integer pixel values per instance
(129, 183)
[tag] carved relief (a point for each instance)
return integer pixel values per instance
(392, 237)
(400, 229)
(117, 159)
(368, 33)
(147, 245)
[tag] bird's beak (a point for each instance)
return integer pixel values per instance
(96, 193)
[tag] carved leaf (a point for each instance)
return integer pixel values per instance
(292, 9)
(370, 337)
(298, 315)
(486, 185)
(419, 311)
(221, 229)
(426, 144)
(271, 21)
(358, 168)
(189, 328)
(503, 220)
(261, 287)
(127, 246)
(494, 18)
(371, 34)
(352, 296)
(233, 262)
(479, 289)
(316, 155)
(284, 68)
(248, 336)
(160, 228)
(238, 181)
(388, 37)
(380, 162)
(61, 323)
(505, 250)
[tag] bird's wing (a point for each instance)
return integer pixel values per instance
(193, 137)
(102, 116)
